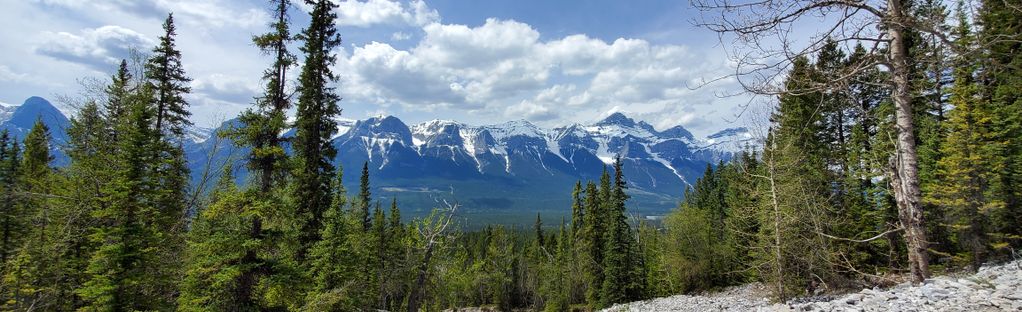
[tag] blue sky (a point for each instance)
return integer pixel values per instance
(479, 62)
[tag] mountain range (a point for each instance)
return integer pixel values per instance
(502, 172)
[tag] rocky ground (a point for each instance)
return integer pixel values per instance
(993, 288)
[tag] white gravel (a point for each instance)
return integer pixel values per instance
(993, 288)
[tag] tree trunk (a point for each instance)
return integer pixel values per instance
(778, 260)
(905, 175)
(418, 289)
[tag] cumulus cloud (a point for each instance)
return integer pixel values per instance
(368, 13)
(206, 13)
(98, 48)
(531, 111)
(503, 68)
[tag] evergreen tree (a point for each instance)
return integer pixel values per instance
(261, 130)
(218, 244)
(338, 261)
(621, 281)
(1000, 77)
(117, 94)
(538, 229)
(795, 155)
(364, 198)
(121, 271)
(169, 82)
(593, 244)
(314, 124)
(40, 269)
(262, 127)
(968, 167)
(13, 219)
(577, 210)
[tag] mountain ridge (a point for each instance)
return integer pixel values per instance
(511, 167)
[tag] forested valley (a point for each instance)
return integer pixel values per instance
(813, 209)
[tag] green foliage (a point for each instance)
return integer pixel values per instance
(315, 124)
(169, 83)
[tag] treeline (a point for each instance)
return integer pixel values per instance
(593, 261)
(814, 209)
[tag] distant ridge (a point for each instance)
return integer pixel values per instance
(509, 168)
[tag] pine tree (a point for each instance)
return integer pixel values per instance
(1000, 78)
(364, 198)
(170, 84)
(117, 94)
(336, 262)
(593, 244)
(380, 242)
(218, 246)
(262, 127)
(537, 228)
(34, 274)
(393, 281)
(967, 169)
(12, 219)
(577, 210)
(315, 125)
(621, 281)
(120, 272)
(261, 130)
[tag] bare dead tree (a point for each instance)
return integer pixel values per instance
(433, 232)
(768, 35)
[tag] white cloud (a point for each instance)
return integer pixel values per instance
(8, 75)
(98, 48)
(205, 13)
(503, 68)
(373, 12)
(400, 36)
(221, 87)
(530, 110)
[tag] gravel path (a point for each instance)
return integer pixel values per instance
(993, 288)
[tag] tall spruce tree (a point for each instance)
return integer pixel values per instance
(315, 124)
(621, 281)
(593, 244)
(364, 199)
(117, 94)
(1000, 78)
(170, 83)
(968, 167)
(126, 234)
(262, 127)
(12, 218)
(261, 130)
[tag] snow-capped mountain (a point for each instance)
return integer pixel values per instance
(529, 166)
(18, 120)
(511, 167)
(6, 110)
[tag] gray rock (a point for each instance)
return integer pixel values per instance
(995, 288)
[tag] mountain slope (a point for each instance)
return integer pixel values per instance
(507, 170)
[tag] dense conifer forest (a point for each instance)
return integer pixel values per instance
(121, 229)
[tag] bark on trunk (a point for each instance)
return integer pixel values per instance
(905, 178)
